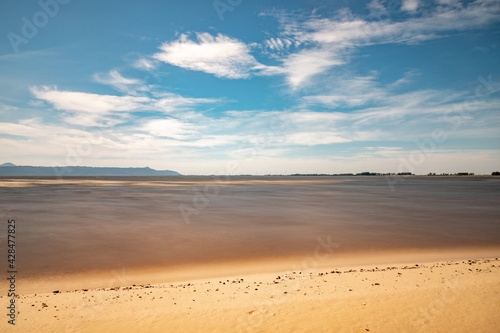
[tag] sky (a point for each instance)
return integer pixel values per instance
(252, 87)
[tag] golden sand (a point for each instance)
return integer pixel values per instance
(435, 296)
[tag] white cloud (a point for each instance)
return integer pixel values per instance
(113, 78)
(279, 44)
(384, 150)
(35, 128)
(5, 108)
(89, 109)
(169, 102)
(313, 138)
(220, 55)
(20, 130)
(116, 80)
(410, 5)
(377, 9)
(93, 119)
(170, 128)
(145, 64)
(87, 102)
(350, 91)
(301, 66)
(313, 119)
(453, 3)
(374, 103)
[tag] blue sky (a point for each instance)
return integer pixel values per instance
(260, 87)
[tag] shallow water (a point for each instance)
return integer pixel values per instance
(77, 228)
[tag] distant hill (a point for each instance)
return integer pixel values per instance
(9, 169)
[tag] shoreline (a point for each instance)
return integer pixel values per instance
(434, 295)
(320, 258)
(199, 180)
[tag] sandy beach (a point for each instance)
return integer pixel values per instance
(434, 296)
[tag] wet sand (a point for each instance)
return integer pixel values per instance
(9, 182)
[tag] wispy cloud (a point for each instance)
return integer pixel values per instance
(349, 91)
(313, 138)
(170, 128)
(20, 130)
(5, 107)
(301, 66)
(349, 30)
(377, 9)
(277, 45)
(116, 80)
(145, 63)
(220, 55)
(90, 109)
(328, 42)
(88, 102)
(35, 128)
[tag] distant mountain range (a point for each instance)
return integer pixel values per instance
(9, 169)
